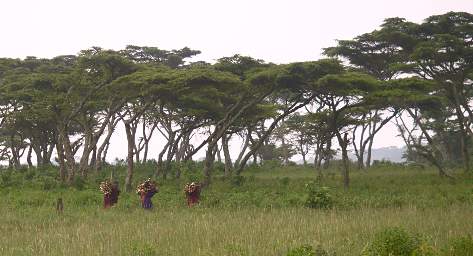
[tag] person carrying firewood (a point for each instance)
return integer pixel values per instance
(192, 192)
(146, 191)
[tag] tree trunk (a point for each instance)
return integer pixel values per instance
(28, 157)
(37, 151)
(208, 162)
(226, 153)
(131, 143)
(345, 162)
(160, 161)
(246, 143)
(61, 161)
(84, 160)
(69, 154)
(368, 153)
(101, 151)
(93, 160)
(463, 133)
(327, 154)
(303, 159)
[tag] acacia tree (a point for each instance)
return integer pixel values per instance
(371, 54)
(302, 137)
(98, 68)
(418, 99)
(342, 94)
(440, 49)
(293, 84)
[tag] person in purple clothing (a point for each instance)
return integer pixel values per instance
(146, 191)
(115, 193)
(146, 202)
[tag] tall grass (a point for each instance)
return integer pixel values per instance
(201, 231)
(260, 214)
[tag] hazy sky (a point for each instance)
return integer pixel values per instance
(273, 30)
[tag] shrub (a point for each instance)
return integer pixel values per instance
(142, 249)
(425, 250)
(393, 242)
(462, 246)
(29, 175)
(78, 183)
(237, 180)
(284, 181)
(307, 250)
(271, 164)
(5, 178)
(317, 196)
(47, 183)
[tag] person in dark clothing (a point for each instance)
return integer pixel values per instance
(115, 193)
(146, 202)
(146, 191)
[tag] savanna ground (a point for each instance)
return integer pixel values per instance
(262, 213)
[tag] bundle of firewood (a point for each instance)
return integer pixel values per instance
(106, 187)
(191, 188)
(146, 186)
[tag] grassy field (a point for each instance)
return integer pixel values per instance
(260, 214)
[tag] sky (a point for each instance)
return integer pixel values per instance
(278, 31)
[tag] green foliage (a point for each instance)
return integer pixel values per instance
(47, 183)
(462, 246)
(141, 249)
(392, 242)
(317, 196)
(307, 250)
(237, 180)
(304, 250)
(78, 183)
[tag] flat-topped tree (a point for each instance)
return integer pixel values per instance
(342, 95)
(320, 133)
(139, 91)
(156, 56)
(291, 87)
(99, 68)
(419, 99)
(37, 90)
(370, 53)
(219, 97)
(157, 116)
(440, 49)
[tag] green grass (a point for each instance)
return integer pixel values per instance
(263, 214)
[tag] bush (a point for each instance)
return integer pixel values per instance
(462, 246)
(284, 181)
(307, 250)
(29, 175)
(237, 180)
(47, 183)
(142, 249)
(271, 164)
(393, 242)
(5, 178)
(78, 183)
(317, 196)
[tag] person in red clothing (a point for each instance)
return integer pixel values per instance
(192, 192)
(106, 188)
(107, 201)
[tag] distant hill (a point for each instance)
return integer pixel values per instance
(392, 153)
